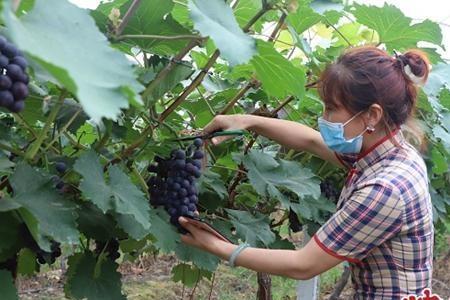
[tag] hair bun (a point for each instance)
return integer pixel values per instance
(416, 66)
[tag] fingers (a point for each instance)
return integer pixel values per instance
(212, 126)
(186, 225)
(219, 139)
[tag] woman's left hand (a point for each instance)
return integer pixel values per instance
(199, 238)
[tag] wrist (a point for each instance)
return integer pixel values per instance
(223, 249)
(250, 122)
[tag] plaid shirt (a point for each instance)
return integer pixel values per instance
(383, 225)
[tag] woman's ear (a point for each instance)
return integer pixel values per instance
(374, 115)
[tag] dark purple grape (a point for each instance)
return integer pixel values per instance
(60, 185)
(192, 207)
(41, 260)
(10, 50)
(4, 61)
(20, 61)
(17, 106)
(192, 190)
(197, 163)
(179, 163)
(3, 42)
(183, 209)
(198, 154)
(172, 211)
(178, 154)
(14, 71)
(198, 142)
(5, 82)
(185, 183)
(185, 201)
(6, 98)
(24, 78)
(190, 168)
(197, 173)
(191, 178)
(19, 90)
(182, 192)
(60, 167)
(176, 186)
(193, 199)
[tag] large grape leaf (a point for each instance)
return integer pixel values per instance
(394, 28)
(7, 287)
(303, 18)
(120, 195)
(268, 175)
(200, 258)
(70, 47)
(438, 78)
(189, 275)
(9, 230)
(279, 77)
(165, 234)
(89, 279)
(153, 17)
(55, 216)
(215, 18)
(252, 229)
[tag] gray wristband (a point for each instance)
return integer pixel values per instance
(236, 252)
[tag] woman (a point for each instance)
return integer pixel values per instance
(383, 223)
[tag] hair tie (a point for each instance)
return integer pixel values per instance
(419, 81)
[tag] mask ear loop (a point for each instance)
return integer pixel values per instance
(369, 128)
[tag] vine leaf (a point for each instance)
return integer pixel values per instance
(153, 17)
(120, 195)
(201, 259)
(252, 229)
(279, 77)
(7, 287)
(303, 18)
(268, 175)
(9, 231)
(215, 18)
(165, 234)
(394, 28)
(26, 262)
(42, 206)
(89, 279)
(102, 78)
(189, 275)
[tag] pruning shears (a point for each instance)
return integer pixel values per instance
(210, 135)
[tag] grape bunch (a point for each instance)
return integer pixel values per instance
(44, 257)
(13, 77)
(61, 168)
(329, 190)
(111, 248)
(294, 223)
(174, 183)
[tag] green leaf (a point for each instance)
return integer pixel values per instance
(7, 287)
(7, 204)
(153, 17)
(189, 275)
(278, 75)
(215, 18)
(200, 258)
(440, 164)
(165, 234)
(9, 231)
(438, 78)
(26, 263)
(267, 175)
(246, 10)
(176, 74)
(94, 223)
(303, 18)
(55, 216)
(87, 280)
(394, 28)
(120, 195)
(100, 77)
(252, 229)
(212, 182)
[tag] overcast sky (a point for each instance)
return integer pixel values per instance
(436, 10)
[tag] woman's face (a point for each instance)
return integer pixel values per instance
(339, 114)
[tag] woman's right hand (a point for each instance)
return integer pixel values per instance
(225, 122)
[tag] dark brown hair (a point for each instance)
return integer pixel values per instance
(365, 75)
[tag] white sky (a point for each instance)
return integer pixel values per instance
(436, 10)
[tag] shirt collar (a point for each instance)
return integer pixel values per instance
(378, 150)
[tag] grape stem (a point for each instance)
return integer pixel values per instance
(43, 134)
(131, 10)
(162, 37)
(64, 129)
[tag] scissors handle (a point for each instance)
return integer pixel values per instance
(224, 133)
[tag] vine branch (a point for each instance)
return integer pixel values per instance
(133, 7)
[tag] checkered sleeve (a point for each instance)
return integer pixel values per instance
(369, 217)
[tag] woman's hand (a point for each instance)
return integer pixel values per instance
(226, 122)
(200, 238)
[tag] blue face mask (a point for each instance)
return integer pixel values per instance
(333, 135)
